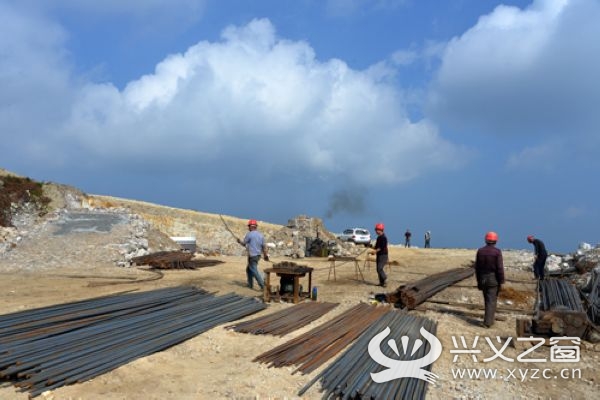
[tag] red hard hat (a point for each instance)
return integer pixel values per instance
(379, 227)
(491, 237)
(252, 222)
(530, 238)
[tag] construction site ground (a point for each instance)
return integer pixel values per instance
(218, 363)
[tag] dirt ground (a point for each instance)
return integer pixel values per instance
(218, 363)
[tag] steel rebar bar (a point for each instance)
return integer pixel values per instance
(53, 346)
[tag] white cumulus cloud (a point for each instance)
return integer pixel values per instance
(527, 71)
(254, 99)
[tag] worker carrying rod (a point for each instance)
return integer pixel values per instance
(255, 245)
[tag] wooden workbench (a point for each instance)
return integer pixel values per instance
(295, 273)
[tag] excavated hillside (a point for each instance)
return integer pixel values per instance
(37, 212)
(215, 233)
(209, 230)
(48, 225)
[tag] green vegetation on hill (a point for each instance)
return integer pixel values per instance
(19, 191)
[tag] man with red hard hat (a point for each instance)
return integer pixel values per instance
(489, 270)
(381, 253)
(540, 256)
(255, 244)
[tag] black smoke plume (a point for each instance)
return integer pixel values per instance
(350, 201)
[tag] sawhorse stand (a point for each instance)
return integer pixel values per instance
(357, 270)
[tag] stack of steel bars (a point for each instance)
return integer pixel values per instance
(173, 260)
(313, 348)
(414, 293)
(284, 321)
(49, 347)
(593, 298)
(559, 294)
(349, 377)
(162, 258)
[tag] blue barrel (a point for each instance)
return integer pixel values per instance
(314, 293)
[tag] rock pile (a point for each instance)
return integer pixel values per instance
(587, 257)
(558, 265)
(582, 261)
(135, 238)
(578, 266)
(521, 260)
(136, 245)
(301, 231)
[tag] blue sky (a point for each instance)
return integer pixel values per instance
(456, 117)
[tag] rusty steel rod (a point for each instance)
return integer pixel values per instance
(414, 293)
(311, 349)
(284, 321)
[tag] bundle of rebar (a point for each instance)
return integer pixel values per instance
(349, 377)
(292, 267)
(594, 298)
(187, 264)
(162, 256)
(310, 350)
(49, 347)
(284, 321)
(414, 293)
(173, 260)
(558, 294)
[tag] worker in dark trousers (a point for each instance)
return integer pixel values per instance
(381, 253)
(407, 236)
(540, 257)
(427, 239)
(489, 269)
